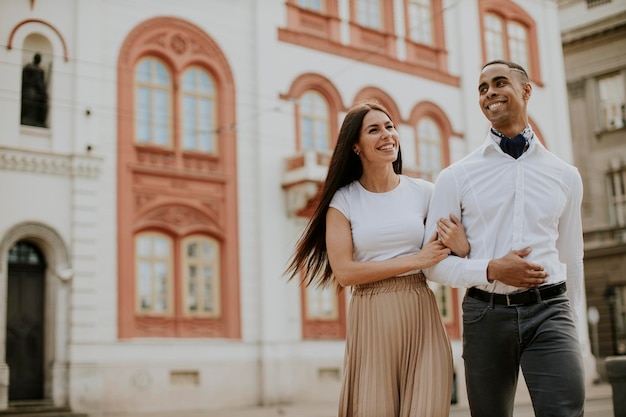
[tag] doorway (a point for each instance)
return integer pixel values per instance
(25, 322)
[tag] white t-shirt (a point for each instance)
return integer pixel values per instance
(385, 225)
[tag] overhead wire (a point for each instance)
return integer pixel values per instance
(107, 68)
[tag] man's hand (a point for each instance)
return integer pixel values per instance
(513, 269)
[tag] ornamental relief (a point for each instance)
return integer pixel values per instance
(141, 200)
(199, 164)
(50, 164)
(146, 156)
(178, 43)
(178, 216)
(158, 39)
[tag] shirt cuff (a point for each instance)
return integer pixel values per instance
(475, 272)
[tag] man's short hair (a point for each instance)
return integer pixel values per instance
(510, 64)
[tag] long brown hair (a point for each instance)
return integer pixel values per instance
(310, 260)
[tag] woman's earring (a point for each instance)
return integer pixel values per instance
(356, 152)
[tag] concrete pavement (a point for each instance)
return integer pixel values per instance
(599, 404)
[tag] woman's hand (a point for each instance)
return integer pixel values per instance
(433, 251)
(452, 234)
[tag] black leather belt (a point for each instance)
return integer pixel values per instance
(531, 296)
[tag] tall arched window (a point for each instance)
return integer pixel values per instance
(154, 102)
(506, 40)
(199, 116)
(509, 32)
(429, 148)
(518, 43)
(494, 37)
(314, 122)
(178, 252)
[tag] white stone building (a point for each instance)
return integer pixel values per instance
(152, 190)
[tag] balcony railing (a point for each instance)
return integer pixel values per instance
(303, 177)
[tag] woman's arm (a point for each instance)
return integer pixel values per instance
(348, 272)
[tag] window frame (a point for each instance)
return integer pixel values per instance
(319, 97)
(199, 238)
(604, 120)
(616, 196)
(429, 143)
(169, 311)
(197, 96)
(420, 36)
(379, 40)
(508, 11)
(318, 328)
(151, 87)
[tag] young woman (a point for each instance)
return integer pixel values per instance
(368, 233)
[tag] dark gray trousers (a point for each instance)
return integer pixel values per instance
(541, 338)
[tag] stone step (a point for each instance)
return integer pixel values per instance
(38, 409)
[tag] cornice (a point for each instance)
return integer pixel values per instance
(612, 24)
(66, 165)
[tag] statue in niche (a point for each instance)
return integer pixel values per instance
(34, 94)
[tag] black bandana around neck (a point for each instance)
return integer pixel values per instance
(513, 146)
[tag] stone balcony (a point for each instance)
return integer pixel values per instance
(303, 178)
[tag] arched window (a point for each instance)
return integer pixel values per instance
(518, 43)
(199, 116)
(201, 276)
(314, 122)
(178, 251)
(154, 259)
(429, 148)
(153, 103)
(25, 253)
(494, 37)
(506, 40)
(510, 33)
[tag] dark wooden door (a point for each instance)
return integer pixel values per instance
(25, 322)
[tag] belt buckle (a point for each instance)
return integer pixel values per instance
(508, 300)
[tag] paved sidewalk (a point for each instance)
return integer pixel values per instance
(599, 404)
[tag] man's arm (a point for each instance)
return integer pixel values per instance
(570, 244)
(453, 271)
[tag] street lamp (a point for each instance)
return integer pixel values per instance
(611, 297)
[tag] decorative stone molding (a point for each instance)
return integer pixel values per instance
(49, 163)
(178, 215)
(303, 178)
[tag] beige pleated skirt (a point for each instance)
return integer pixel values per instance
(398, 361)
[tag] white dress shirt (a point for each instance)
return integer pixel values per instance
(506, 204)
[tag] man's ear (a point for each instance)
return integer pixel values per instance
(528, 91)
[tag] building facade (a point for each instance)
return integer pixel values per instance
(594, 40)
(159, 160)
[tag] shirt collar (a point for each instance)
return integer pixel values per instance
(494, 137)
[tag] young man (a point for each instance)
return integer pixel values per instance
(521, 213)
